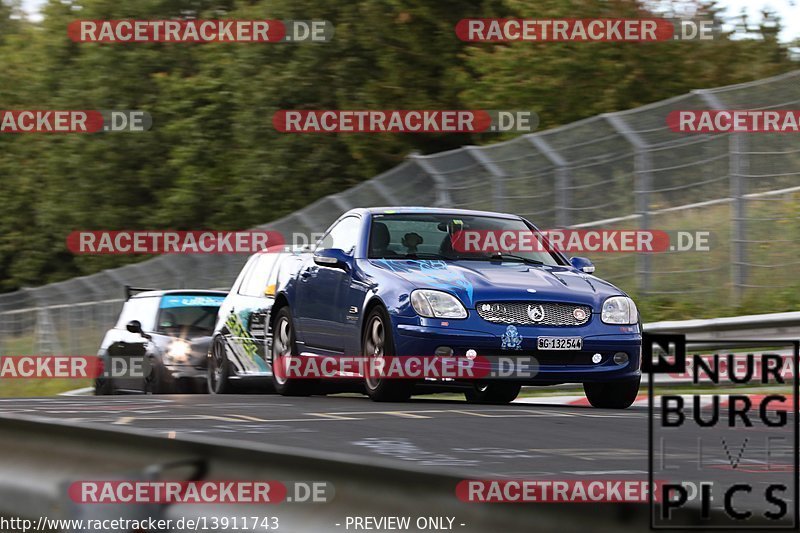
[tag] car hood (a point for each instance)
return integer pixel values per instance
(477, 281)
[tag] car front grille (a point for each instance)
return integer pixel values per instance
(534, 313)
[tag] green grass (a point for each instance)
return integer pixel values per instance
(27, 388)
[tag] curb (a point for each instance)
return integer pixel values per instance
(706, 400)
(86, 391)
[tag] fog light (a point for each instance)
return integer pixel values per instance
(443, 351)
(596, 358)
(621, 358)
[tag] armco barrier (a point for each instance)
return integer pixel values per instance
(38, 459)
(773, 326)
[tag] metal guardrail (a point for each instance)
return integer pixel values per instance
(773, 326)
(38, 459)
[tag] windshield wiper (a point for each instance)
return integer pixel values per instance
(425, 255)
(502, 257)
(411, 257)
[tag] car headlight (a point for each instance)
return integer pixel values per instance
(177, 352)
(619, 310)
(437, 304)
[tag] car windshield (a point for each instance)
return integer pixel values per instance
(454, 237)
(188, 315)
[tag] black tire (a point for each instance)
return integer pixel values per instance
(190, 386)
(156, 383)
(104, 387)
(377, 341)
(612, 395)
(218, 368)
(283, 345)
(492, 393)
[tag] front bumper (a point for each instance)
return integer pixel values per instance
(527, 364)
(178, 372)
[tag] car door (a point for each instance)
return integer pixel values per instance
(248, 313)
(321, 290)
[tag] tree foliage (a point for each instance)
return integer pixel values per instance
(213, 159)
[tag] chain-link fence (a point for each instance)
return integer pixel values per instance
(620, 170)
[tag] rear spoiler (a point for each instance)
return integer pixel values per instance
(130, 291)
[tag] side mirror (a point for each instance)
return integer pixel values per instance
(134, 326)
(582, 264)
(332, 258)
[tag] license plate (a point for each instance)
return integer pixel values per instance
(559, 343)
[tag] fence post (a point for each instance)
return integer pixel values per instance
(563, 181)
(737, 166)
(442, 195)
(383, 191)
(78, 342)
(498, 177)
(644, 183)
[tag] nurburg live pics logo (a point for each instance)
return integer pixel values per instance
(733, 468)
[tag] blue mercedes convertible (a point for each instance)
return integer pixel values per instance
(391, 282)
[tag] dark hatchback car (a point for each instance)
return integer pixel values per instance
(160, 342)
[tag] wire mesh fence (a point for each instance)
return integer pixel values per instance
(621, 170)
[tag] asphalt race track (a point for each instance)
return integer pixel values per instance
(518, 441)
(508, 441)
